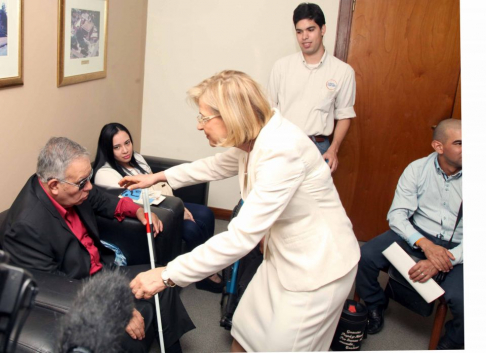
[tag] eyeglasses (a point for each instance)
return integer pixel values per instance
(201, 119)
(81, 184)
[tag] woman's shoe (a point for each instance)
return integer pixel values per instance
(210, 286)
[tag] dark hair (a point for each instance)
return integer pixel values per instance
(311, 12)
(104, 154)
(441, 131)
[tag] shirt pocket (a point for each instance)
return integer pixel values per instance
(324, 104)
(323, 107)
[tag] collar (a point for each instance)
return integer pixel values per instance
(439, 170)
(62, 211)
(313, 66)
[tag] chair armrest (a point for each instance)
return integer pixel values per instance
(131, 236)
(40, 332)
(56, 292)
(193, 194)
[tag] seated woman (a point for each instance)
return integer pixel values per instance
(115, 158)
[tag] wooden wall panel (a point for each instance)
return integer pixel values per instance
(406, 55)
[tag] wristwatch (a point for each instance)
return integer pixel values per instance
(167, 281)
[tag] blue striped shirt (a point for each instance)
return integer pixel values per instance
(425, 192)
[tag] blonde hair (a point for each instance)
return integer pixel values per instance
(240, 102)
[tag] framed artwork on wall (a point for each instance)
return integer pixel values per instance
(82, 41)
(11, 15)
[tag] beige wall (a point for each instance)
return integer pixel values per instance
(188, 41)
(32, 113)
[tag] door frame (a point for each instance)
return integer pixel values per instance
(343, 35)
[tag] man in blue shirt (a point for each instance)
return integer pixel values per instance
(422, 218)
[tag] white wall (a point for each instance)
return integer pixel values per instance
(188, 41)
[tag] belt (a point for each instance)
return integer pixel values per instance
(318, 138)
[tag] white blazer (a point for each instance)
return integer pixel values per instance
(291, 199)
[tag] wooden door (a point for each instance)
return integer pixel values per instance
(406, 55)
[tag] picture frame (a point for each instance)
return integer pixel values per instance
(11, 43)
(82, 41)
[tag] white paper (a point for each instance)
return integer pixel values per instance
(429, 290)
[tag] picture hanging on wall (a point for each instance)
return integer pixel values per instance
(11, 59)
(82, 41)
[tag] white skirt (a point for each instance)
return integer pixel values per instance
(271, 318)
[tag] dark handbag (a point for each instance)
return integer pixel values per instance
(351, 328)
(402, 292)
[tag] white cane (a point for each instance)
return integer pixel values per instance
(148, 218)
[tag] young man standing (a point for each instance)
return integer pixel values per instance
(312, 88)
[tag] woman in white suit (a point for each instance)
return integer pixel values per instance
(290, 204)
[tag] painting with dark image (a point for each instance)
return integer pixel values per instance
(85, 26)
(3, 28)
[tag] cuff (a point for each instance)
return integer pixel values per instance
(344, 113)
(412, 239)
(126, 208)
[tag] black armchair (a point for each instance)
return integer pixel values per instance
(56, 293)
(194, 193)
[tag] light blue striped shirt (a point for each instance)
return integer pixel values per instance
(425, 192)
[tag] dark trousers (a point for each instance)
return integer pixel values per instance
(175, 320)
(373, 261)
(196, 233)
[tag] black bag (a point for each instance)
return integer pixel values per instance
(402, 292)
(237, 277)
(351, 328)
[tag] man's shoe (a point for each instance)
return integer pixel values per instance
(445, 344)
(376, 320)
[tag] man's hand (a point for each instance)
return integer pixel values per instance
(140, 181)
(340, 130)
(422, 271)
(136, 326)
(148, 283)
(157, 223)
(188, 215)
(438, 255)
(331, 158)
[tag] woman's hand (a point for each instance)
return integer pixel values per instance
(188, 215)
(148, 283)
(141, 181)
(157, 223)
(136, 326)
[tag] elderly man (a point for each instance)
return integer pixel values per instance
(422, 219)
(51, 227)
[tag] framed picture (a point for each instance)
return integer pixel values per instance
(11, 14)
(82, 41)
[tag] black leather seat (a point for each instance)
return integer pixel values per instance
(194, 193)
